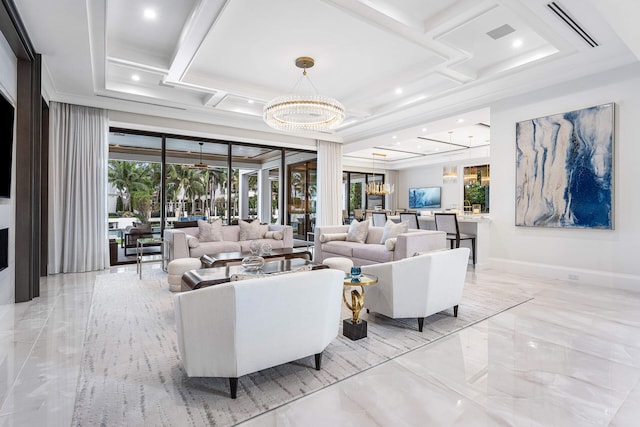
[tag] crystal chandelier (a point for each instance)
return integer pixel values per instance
(374, 187)
(303, 111)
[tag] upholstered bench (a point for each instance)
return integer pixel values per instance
(177, 268)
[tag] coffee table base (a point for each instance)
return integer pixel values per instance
(354, 331)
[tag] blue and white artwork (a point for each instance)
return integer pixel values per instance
(564, 169)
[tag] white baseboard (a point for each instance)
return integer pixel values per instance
(591, 277)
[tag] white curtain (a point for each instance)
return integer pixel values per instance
(329, 202)
(391, 178)
(78, 155)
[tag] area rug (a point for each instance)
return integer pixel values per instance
(131, 372)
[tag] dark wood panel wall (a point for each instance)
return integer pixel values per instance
(30, 157)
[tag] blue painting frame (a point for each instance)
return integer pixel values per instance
(564, 169)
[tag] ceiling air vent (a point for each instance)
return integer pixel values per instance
(500, 32)
(567, 19)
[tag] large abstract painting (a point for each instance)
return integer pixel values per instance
(564, 169)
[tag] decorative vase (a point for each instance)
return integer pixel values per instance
(265, 249)
(253, 263)
(254, 247)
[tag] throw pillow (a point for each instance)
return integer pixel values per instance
(275, 235)
(391, 229)
(259, 275)
(210, 232)
(192, 241)
(358, 231)
(390, 244)
(250, 230)
(329, 237)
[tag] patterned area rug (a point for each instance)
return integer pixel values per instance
(131, 372)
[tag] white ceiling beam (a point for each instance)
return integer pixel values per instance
(203, 18)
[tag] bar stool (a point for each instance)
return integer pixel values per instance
(448, 222)
(411, 218)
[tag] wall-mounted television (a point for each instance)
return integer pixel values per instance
(424, 198)
(7, 114)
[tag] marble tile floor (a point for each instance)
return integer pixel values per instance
(568, 357)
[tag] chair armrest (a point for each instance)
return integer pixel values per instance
(177, 244)
(198, 342)
(419, 241)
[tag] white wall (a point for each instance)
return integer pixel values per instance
(9, 87)
(601, 257)
(431, 176)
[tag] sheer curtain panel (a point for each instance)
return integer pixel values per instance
(78, 158)
(329, 208)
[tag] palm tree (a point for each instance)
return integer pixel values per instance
(125, 178)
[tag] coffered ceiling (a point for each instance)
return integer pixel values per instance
(398, 66)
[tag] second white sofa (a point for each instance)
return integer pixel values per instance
(372, 251)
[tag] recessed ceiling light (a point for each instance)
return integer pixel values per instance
(150, 14)
(460, 120)
(424, 129)
(135, 77)
(250, 101)
(394, 137)
(398, 91)
(517, 43)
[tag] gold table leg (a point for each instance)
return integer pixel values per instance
(357, 303)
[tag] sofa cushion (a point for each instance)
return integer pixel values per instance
(377, 253)
(207, 248)
(210, 232)
(193, 241)
(374, 236)
(231, 233)
(250, 230)
(390, 244)
(391, 229)
(358, 231)
(341, 248)
(275, 235)
(329, 237)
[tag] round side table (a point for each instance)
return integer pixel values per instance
(356, 328)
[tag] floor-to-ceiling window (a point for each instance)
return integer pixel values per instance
(358, 201)
(173, 178)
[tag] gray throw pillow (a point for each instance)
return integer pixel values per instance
(358, 231)
(391, 229)
(210, 232)
(250, 230)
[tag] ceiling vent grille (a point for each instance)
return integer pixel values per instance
(567, 19)
(500, 32)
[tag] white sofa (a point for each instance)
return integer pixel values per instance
(177, 241)
(372, 251)
(237, 328)
(418, 286)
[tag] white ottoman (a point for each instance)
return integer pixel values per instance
(339, 263)
(177, 268)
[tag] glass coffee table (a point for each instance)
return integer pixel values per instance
(224, 258)
(356, 328)
(197, 279)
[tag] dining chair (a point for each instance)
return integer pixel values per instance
(411, 218)
(448, 222)
(379, 219)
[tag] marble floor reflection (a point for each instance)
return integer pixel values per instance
(568, 357)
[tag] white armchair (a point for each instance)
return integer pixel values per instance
(237, 328)
(418, 286)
